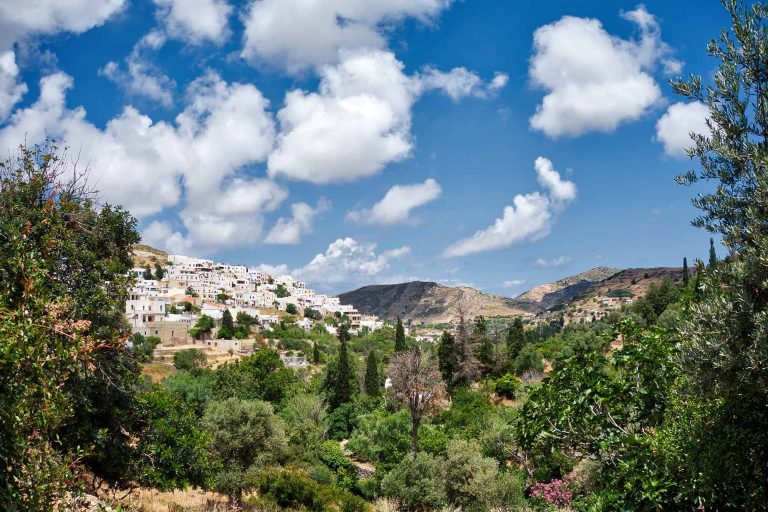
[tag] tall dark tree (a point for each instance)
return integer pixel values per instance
(372, 382)
(64, 264)
(159, 272)
(724, 339)
(484, 345)
(448, 357)
(686, 276)
(515, 339)
(712, 253)
(315, 353)
(468, 364)
(343, 381)
(227, 329)
(148, 273)
(399, 336)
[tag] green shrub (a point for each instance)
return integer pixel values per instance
(417, 483)
(469, 476)
(507, 385)
(190, 359)
(529, 360)
(294, 490)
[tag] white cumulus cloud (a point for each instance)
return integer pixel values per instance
(561, 191)
(513, 283)
(594, 80)
(195, 21)
(348, 262)
(196, 162)
(140, 76)
(300, 34)
(460, 82)
(23, 18)
(674, 128)
(529, 218)
(11, 90)
(557, 261)
(289, 230)
(357, 122)
(396, 205)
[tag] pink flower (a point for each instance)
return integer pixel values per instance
(557, 492)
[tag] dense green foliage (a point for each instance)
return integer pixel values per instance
(227, 329)
(399, 336)
(246, 435)
(261, 376)
(372, 380)
(189, 359)
(659, 406)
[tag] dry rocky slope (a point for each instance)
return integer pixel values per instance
(144, 255)
(579, 295)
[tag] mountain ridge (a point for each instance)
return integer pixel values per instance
(578, 295)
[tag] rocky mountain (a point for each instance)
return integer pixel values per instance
(427, 302)
(546, 296)
(578, 295)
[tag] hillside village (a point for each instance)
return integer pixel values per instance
(171, 296)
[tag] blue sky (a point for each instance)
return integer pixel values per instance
(350, 142)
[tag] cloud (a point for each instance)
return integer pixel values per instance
(289, 230)
(594, 80)
(11, 90)
(396, 205)
(140, 76)
(195, 21)
(460, 82)
(561, 191)
(273, 270)
(552, 262)
(196, 163)
(300, 34)
(530, 217)
(674, 128)
(348, 262)
(23, 18)
(513, 283)
(357, 122)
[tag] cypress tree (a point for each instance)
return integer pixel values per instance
(447, 355)
(342, 387)
(372, 387)
(515, 339)
(148, 275)
(315, 353)
(686, 277)
(484, 344)
(712, 254)
(399, 336)
(227, 329)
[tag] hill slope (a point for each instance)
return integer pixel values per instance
(427, 302)
(144, 255)
(578, 296)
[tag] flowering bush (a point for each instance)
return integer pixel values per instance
(557, 492)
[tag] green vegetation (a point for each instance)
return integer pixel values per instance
(190, 359)
(281, 291)
(661, 406)
(399, 336)
(203, 328)
(227, 329)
